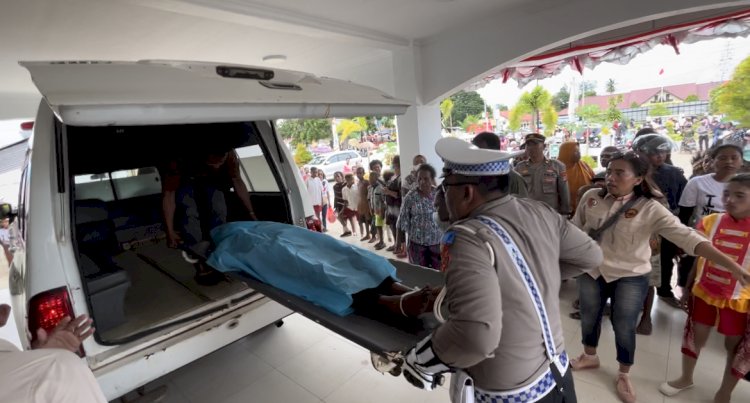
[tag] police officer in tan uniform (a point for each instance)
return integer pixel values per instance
(505, 260)
(546, 179)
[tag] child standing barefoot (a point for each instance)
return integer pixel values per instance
(719, 296)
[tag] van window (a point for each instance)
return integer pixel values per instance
(118, 185)
(255, 165)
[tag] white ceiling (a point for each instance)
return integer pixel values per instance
(359, 40)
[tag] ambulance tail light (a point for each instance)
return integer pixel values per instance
(313, 224)
(47, 309)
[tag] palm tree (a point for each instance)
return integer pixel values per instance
(446, 112)
(534, 102)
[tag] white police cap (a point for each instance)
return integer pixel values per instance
(463, 158)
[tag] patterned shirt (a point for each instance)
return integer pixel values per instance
(416, 220)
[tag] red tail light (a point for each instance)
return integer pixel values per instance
(27, 125)
(47, 309)
(313, 224)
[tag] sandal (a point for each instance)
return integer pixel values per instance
(345, 234)
(668, 390)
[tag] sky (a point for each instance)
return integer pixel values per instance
(697, 63)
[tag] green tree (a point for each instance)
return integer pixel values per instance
(466, 103)
(446, 111)
(611, 86)
(534, 102)
(634, 105)
(470, 120)
(502, 107)
(691, 98)
(561, 98)
(305, 131)
(549, 120)
(733, 97)
(301, 155)
(658, 110)
(587, 88)
(514, 119)
(613, 113)
(590, 113)
(388, 122)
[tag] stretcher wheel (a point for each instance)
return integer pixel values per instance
(279, 323)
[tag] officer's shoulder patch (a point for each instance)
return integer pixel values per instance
(448, 238)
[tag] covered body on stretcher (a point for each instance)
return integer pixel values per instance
(340, 286)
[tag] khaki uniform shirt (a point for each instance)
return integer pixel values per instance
(547, 182)
(492, 330)
(45, 375)
(626, 246)
(517, 186)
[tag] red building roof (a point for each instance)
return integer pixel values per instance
(640, 97)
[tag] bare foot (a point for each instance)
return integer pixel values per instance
(721, 397)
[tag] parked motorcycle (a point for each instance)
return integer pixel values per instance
(688, 145)
(595, 141)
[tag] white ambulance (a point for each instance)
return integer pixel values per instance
(88, 236)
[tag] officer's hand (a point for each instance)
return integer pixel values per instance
(173, 239)
(422, 368)
(67, 335)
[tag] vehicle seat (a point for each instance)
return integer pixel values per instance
(106, 282)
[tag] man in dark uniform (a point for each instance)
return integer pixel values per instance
(671, 181)
(199, 185)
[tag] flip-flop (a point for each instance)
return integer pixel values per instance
(672, 301)
(668, 390)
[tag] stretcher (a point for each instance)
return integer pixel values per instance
(384, 334)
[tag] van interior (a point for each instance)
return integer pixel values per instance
(135, 284)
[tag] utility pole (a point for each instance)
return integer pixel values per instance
(725, 61)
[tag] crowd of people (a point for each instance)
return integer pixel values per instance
(383, 206)
(649, 221)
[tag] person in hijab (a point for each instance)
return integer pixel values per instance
(578, 172)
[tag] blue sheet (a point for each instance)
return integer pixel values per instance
(307, 264)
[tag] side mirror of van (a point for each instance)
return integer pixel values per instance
(6, 211)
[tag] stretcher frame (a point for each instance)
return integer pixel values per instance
(378, 332)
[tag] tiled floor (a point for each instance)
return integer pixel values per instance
(303, 362)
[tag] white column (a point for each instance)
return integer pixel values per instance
(419, 128)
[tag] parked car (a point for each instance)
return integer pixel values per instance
(88, 237)
(335, 161)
